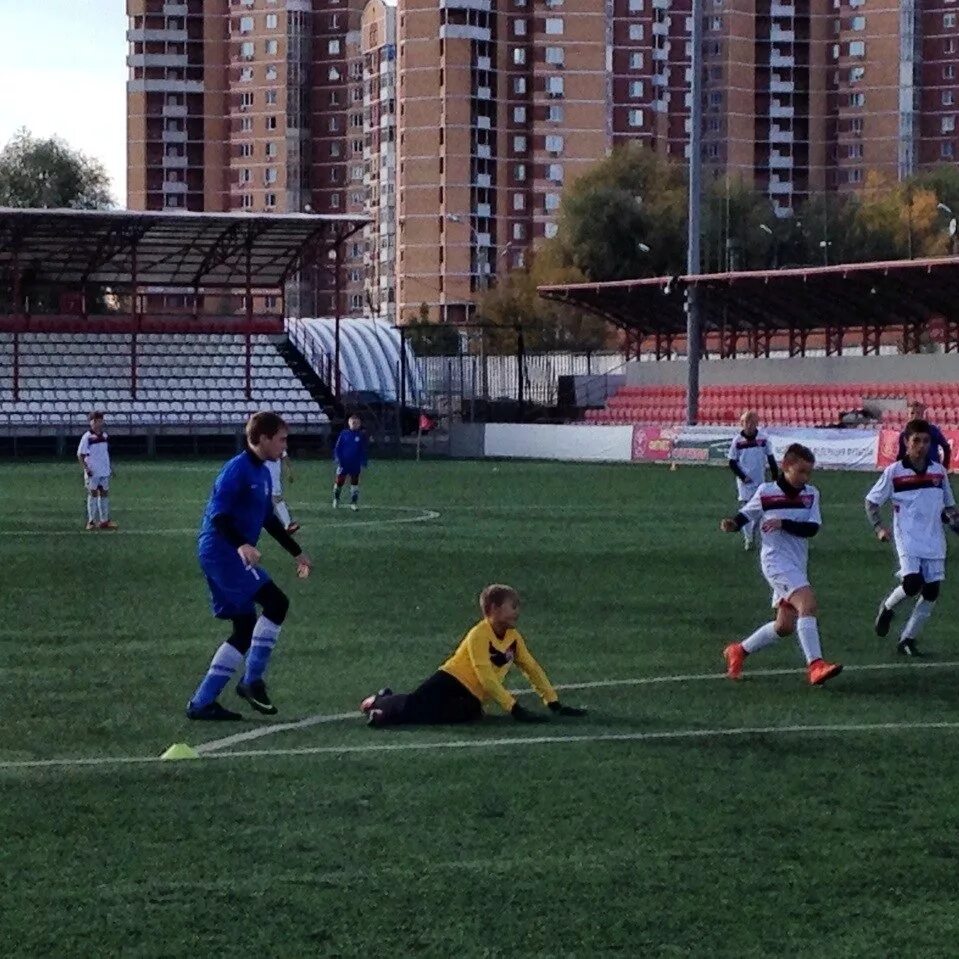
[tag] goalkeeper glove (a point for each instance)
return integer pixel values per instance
(523, 715)
(562, 710)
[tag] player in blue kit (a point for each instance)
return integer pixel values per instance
(351, 459)
(239, 509)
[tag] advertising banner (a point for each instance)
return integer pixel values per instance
(889, 448)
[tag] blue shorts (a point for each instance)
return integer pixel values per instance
(232, 585)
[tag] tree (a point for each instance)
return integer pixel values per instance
(48, 173)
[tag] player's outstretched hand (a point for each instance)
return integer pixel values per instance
(303, 565)
(523, 715)
(882, 534)
(249, 554)
(728, 525)
(563, 710)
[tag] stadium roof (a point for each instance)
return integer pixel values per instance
(170, 249)
(848, 295)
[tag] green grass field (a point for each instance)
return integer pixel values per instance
(651, 828)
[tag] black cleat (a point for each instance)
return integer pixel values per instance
(883, 620)
(256, 695)
(212, 712)
(907, 647)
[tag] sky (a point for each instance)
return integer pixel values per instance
(63, 72)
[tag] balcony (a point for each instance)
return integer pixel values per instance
(776, 135)
(484, 6)
(174, 161)
(483, 239)
(484, 210)
(778, 162)
(483, 93)
(174, 136)
(779, 187)
(172, 9)
(782, 10)
(483, 123)
(484, 63)
(142, 35)
(778, 35)
(483, 180)
(779, 59)
(778, 110)
(164, 86)
(661, 53)
(174, 110)
(781, 86)
(661, 28)
(144, 60)
(174, 186)
(484, 151)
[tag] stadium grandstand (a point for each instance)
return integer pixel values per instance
(173, 321)
(804, 347)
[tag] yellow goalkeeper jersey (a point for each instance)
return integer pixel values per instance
(483, 659)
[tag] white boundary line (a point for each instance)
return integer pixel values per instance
(215, 745)
(211, 748)
(510, 742)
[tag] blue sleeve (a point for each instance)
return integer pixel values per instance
(337, 450)
(228, 484)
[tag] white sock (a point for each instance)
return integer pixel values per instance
(282, 512)
(808, 630)
(104, 508)
(921, 612)
(763, 637)
(227, 657)
(894, 598)
(354, 494)
(91, 508)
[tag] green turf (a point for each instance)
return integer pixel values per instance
(838, 843)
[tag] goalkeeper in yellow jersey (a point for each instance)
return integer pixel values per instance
(473, 675)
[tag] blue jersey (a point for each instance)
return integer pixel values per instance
(350, 450)
(243, 492)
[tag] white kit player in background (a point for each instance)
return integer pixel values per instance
(280, 469)
(788, 515)
(94, 456)
(922, 501)
(749, 455)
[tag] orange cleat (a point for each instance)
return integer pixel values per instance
(735, 656)
(108, 524)
(820, 671)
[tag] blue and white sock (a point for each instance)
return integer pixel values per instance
(222, 666)
(104, 508)
(354, 494)
(264, 639)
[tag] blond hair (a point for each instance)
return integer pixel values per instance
(495, 595)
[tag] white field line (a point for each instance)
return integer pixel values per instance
(215, 745)
(211, 748)
(504, 742)
(422, 516)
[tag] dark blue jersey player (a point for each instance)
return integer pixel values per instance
(240, 507)
(351, 459)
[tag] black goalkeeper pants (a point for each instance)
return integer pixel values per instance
(441, 699)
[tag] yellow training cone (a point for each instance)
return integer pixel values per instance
(181, 751)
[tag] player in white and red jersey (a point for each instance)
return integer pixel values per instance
(788, 515)
(750, 454)
(278, 469)
(94, 456)
(922, 501)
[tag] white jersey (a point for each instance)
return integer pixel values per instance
(751, 455)
(918, 500)
(783, 551)
(95, 450)
(275, 468)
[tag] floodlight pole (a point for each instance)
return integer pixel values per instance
(693, 325)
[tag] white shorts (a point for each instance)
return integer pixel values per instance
(785, 582)
(276, 476)
(931, 570)
(92, 482)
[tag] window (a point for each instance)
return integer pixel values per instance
(356, 121)
(519, 28)
(554, 113)
(552, 202)
(635, 6)
(859, 23)
(947, 98)
(270, 201)
(271, 123)
(271, 149)
(271, 21)
(946, 150)
(554, 172)
(271, 72)
(854, 175)
(246, 124)
(856, 74)
(334, 74)
(519, 144)
(519, 201)
(356, 171)
(857, 48)
(333, 124)
(333, 47)
(554, 26)
(519, 231)
(519, 56)
(948, 72)
(554, 86)
(272, 48)
(519, 173)
(334, 98)
(855, 126)
(270, 175)
(947, 124)
(357, 146)
(246, 24)
(857, 99)
(635, 118)
(519, 114)
(636, 31)
(246, 149)
(171, 199)
(519, 85)
(949, 46)
(554, 143)
(246, 175)
(854, 151)
(246, 74)
(948, 20)
(246, 101)
(636, 61)
(246, 50)
(635, 88)
(549, 232)
(555, 56)
(271, 96)
(334, 201)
